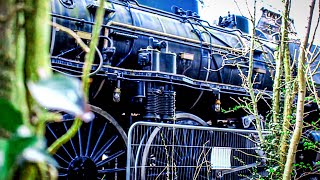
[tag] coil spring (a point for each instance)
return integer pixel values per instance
(167, 105)
(152, 104)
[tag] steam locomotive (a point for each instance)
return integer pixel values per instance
(156, 61)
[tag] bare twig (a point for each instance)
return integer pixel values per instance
(73, 34)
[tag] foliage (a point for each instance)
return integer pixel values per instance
(60, 93)
(25, 59)
(11, 118)
(20, 145)
(293, 80)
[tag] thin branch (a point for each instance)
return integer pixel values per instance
(73, 34)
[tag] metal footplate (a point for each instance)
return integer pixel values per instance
(115, 73)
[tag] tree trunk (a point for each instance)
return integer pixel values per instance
(250, 77)
(15, 67)
(37, 51)
(287, 112)
(38, 38)
(300, 105)
(276, 89)
(11, 80)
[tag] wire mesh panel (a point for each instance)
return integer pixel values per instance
(172, 151)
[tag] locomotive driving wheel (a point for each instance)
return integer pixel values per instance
(97, 151)
(161, 160)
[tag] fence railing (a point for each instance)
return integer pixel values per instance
(173, 151)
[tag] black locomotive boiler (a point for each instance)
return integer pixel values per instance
(156, 61)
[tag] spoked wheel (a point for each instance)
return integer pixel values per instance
(97, 151)
(176, 153)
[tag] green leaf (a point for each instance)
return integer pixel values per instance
(16, 150)
(10, 149)
(59, 93)
(4, 165)
(11, 118)
(16, 146)
(271, 170)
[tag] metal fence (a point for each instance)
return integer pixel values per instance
(172, 151)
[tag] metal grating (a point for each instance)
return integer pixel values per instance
(172, 151)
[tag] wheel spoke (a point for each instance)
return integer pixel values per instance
(87, 151)
(57, 138)
(89, 138)
(62, 158)
(62, 175)
(104, 148)
(74, 149)
(80, 141)
(62, 168)
(97, 143)
(110, 158)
